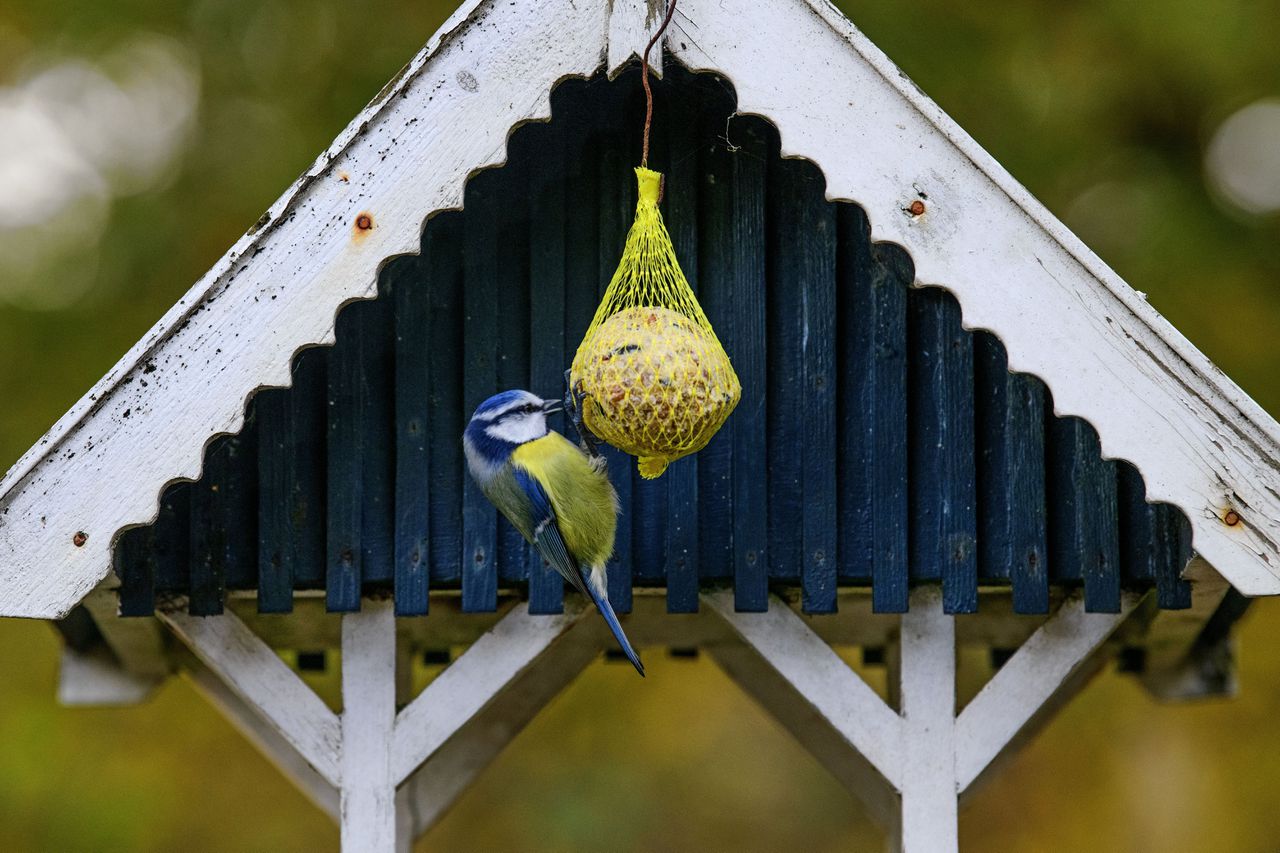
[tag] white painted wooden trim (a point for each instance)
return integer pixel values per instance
(799, 656)
(96, 679)
(927, 691)
(264, 736)
(432, 789)
(251, 669)
(407, 155)
(368, 721)
(471, 682)
(1200, 442)
(631, 25)
(1027, 682)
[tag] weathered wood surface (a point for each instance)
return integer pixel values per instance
(1200, 441)
(1155, 400)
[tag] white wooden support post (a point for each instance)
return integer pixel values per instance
(368, 720)
(922, 751)
(927, 691)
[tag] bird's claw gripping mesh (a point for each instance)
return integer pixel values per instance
(656, 382)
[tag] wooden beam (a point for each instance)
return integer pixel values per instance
(138, 642)
(927, 690)
(96, 679)
(1024, 688)
(368, 721)
(814, 671)
(265, 737)
(811, 729)
(437, 784)
(255, 673)
(472, 682)
(1172, 634)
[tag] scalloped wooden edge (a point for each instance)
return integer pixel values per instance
(1199, 441)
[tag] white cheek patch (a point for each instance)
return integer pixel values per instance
(517, 429)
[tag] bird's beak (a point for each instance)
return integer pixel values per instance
(550, 407)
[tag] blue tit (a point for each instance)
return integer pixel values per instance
(559, 498)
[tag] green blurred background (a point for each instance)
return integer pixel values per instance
(138, 140)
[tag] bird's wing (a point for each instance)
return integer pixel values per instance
(546, 533)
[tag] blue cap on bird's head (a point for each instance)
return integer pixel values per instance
(505, 421)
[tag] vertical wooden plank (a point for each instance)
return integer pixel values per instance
(1174, 539)
(617, 195)
(802, 457)
(413, 344)
(345, 485)
(943, 519)
(171, 543)
(1139, 540)
(818, 578)
(135, 566)
(786, 403)
(208, 544)
(377, 442)
(511, 267)
(480, 379)
(442, 270)
(236, 505)
(716, 293)
(680, 211)
(548, 348)
(1009, 416)
(1083, 531)
(277, 556)
(872, 411)
(750, 359)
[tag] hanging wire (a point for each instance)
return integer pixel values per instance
(644, 80)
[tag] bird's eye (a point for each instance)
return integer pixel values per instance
(531, 408)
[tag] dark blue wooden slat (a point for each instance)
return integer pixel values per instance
(236, 504)
(171, 544)
(548, 352)
(1174, 550)
(617, 204)
(511, 282)
(680, 211)
(750, 359)
(1139, 538)
(818, 578)
(208, 534)
(135, 566)
(480, 380)
(872, 411)
(377, 442)
(1009, 414)
(787, 196)
(413, 414)
(942, 505)
(1081, 495)
(717, 294)
(345, 484)
(278, 542)
(442, 270)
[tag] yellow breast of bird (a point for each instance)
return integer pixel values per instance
(585, 504)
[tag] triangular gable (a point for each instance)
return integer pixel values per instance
(1108, 357)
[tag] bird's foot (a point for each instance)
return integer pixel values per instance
(573, 402)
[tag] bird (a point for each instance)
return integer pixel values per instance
(557, 495)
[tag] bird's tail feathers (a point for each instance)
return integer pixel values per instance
(594, 584)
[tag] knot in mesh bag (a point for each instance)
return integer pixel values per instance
(657, 382)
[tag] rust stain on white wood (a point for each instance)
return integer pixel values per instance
(1199, 441)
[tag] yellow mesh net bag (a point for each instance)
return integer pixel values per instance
(656, 383)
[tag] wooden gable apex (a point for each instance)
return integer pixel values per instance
(1199, 441)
